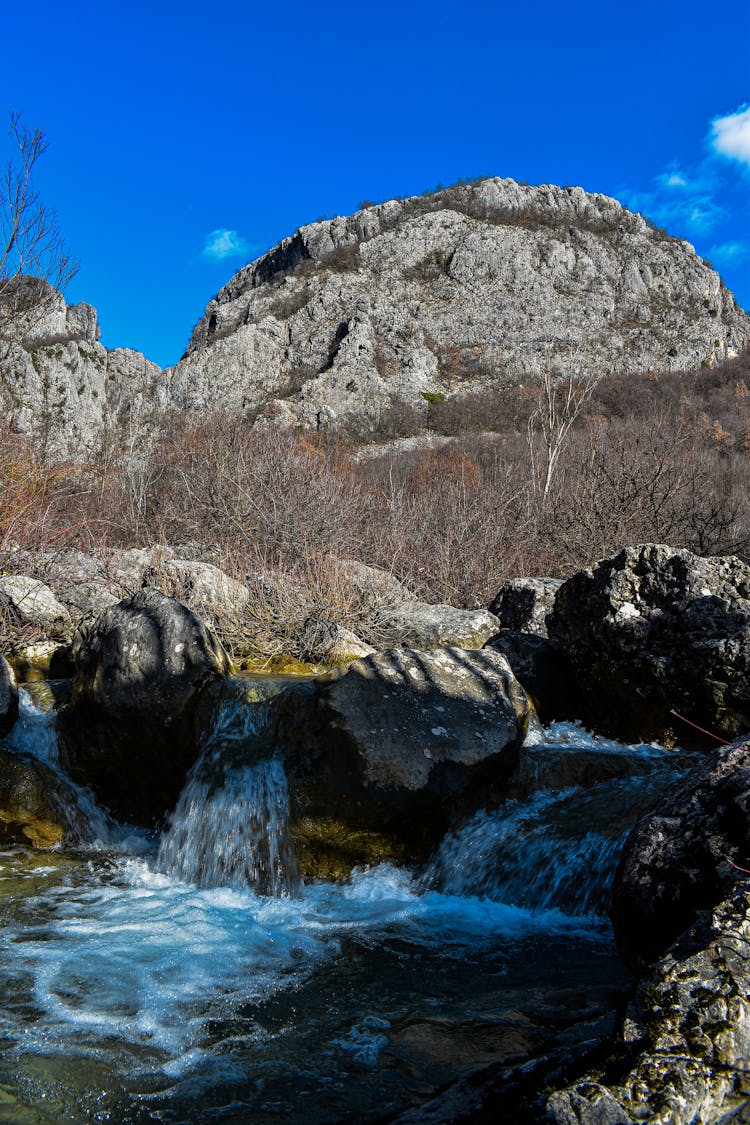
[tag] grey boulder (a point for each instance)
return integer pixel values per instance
(420, 625)
(522, 604)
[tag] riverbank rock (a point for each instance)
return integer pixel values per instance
(33, 603)
(678, 859)
(522, 604)
(419, 625)
(36, 806)
(380, 757)
(690, 1031)
(143, 671)
(8, 697)
(545, 673)
(656, 629)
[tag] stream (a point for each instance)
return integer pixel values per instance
(197, 979)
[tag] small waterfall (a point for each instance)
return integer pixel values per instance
(231, 824)
(35, 734)
(518, 856)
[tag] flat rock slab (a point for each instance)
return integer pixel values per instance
(421, 625)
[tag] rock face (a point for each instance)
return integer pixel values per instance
(655, 629)
(59, 382)
(390, 748)
(473, 287)
(522, 604)
(678, 859)
(691, 1026)
(142, 676)
(8, 697)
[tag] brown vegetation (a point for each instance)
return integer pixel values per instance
(661, 457)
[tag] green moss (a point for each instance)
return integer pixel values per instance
(327, 848)
(433, 396)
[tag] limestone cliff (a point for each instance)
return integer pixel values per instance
(59, 382)
(475, 287)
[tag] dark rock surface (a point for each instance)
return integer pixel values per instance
(678, 859)
(8, 697)
(379, 757)
(522, 604)
(143, 671)
(655, 629)
(545, 673)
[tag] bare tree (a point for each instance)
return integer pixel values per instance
(31, 246)
(560, 403)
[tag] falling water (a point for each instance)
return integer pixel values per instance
(35, 734)
(231, 824)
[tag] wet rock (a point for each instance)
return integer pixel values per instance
(143, 674)
(689, 1029)
(36, 806)
(33, 603)
(678, 859)
(656, 629)
(523, 604)
(8, 697)
(384, 753)
(419, 625)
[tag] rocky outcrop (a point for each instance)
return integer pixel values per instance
(380, 756)
(143, 671)
(8, 697)
(682, 856)
(655, 630)
(33, 603)
(472, 288)
(689, 1031)
(421, 625)
(58, 382)
(404, 303)
(522, 604)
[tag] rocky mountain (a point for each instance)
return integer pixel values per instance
(477, 287)
(58, 381)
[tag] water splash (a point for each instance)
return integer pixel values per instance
(231, 824)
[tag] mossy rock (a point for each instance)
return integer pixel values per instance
(327, 848)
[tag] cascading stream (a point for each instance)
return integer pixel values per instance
(231, 824)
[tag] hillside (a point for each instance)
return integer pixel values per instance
(474, 289)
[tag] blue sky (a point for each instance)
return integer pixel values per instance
(187, 138)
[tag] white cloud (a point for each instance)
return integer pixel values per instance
(730, 135)
(729, 253)
(221, 244)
